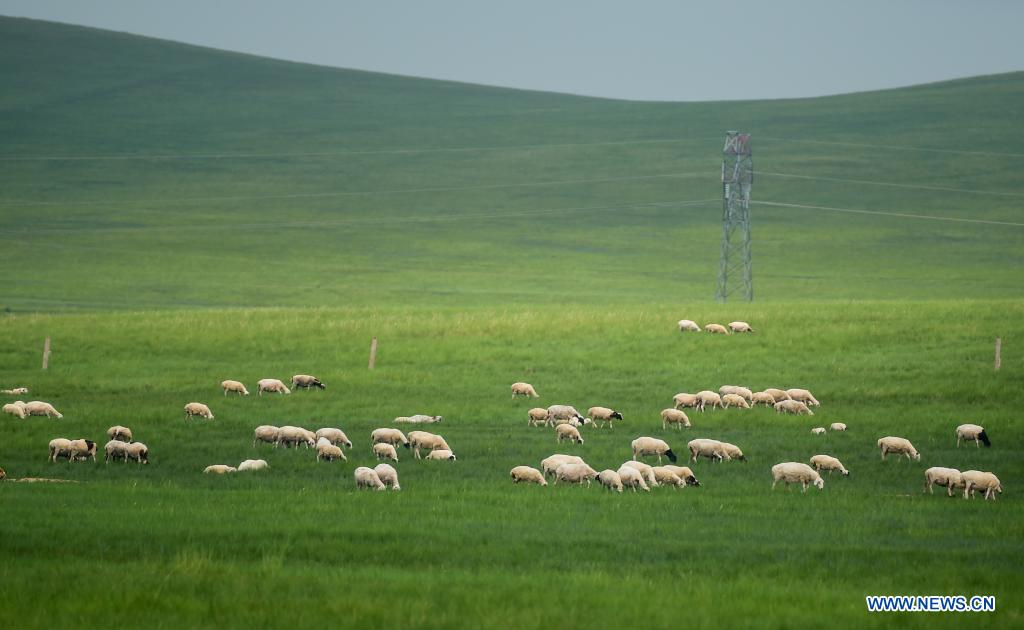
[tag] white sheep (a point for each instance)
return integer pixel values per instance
(632, 478)
(733, 451)
(335, 436)
(234, 386)
(528, 474)
(253, 465)
(271, 385)
(219, 469)
(427, 441)
(119, 433)
(740, 327)
(603, 414)
(442, 454)
(198, 409)
(138, 452)
(792, 406)
(266, 433)
(829, 463)
(565, 413)
(708, 397)
(328, 452)
(899, 446)
(985, 481)
(684, 473)
(382, 450)
(59, 447)
(668, 477)
(293, 436)
(803, 396)
(536, 417)
(972, 432)
(818, 430)
(762, 398)
(82, 449)
(575, 473)
(778, 394)
(652, 446)
(40, 408)
(837, 426)
(948, 478)
(734, 400)
(796, 472)
(17, 391)
(305, 381)
(610, 479)
(644, 469)
(419, 419)
(368, 478)
(387, 475)
(687, 325)
(685, 400)
(739, 390)
(568, 432)
(16, 408)
(712, 449)
(394, 437)
(676, 417)
(550, 464)
(115, 449)
(524, 389)
(716, 329)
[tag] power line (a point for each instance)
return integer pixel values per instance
(889, 214)
(895, 147)
(895, 185)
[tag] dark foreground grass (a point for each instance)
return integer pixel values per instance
(460, 545)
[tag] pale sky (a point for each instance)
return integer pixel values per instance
(643, 50)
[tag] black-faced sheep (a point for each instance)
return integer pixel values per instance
(972, 432)
(603, 414)
(652, 446)
(305, 381)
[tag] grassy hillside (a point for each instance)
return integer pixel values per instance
(231, 180)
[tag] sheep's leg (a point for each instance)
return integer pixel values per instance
(977, 442)
(958, 440)
(804, 491)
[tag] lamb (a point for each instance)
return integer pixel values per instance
(266, 433)
(837, 426)
(676, 417)
(610, 479)
(441, 454)
(336, 437)
(115, 449)
(778, 394)
(740, 327)
(563, 412)
(524, 389)
(667, 477)
(327, 452)
(575, 473)
(646, 470)
(972, 432)
(381, 451)
(706, 398)
(947, 477)
(792, 406)
(252, 465)
(568, 432)
(17, 391)
(305, 381)
(368, 478)
(829, 463)
(688, 325)
(762, 398)
(550, 464)
(138, 452)
(818, 430)
(652, 446)
(40, 408)
(603, 414)
(394, 437)
(387, 475)
(739, 390)
(16, 408)
(198, 409)
(293, 436)
(795, 472)
(734, 400)
(712, 449)
(716, 329)
(527, 474)
(536, 417)
(899, 446)
(421, 419)
(803, 396)
(684, 473)
(733, 451)
(428, 441)
(234, 386)
(219, 469)
(120, 433)
(985, 481)
(271, 385)
(632, 478)
(685, 400)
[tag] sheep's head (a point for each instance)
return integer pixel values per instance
(691, 480)
(819, 483)
(616, 415)
(846, 473)
(915, 455)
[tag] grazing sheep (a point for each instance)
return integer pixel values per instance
(575, 473)
(712, 449)
(59, 447)
(394, 437)
(716, 329)
(568, 432)
(733, 451)
(684, 473)
(685, 400)
(441, 454)
(82, 449)
(266, 433)
(688, 325)
(253, 465)
(388, 475)
(837, 426)
(803, 396)
(778, 394)
(293, 436)
(652, 446)
(17, 391)
(336, 437)
(271, 385)
(740, 327)
(305, 381)
(219, 469)
(668, 477)
(419, 419)
(198, 409)
(949, 478)
(676, 417)
(795, 472)
(632, 478)
(818, 430)
(325, 451)
(792, 406)
(40, 408)
(762, 398)
(739, 390)
(610, 479)
(368, 478)
(899, 446)
(524, 389)
(120, 433)
(234, 386)
(972, 432)
(138, 452)
(527, 474)
(115, 449)
(706, 398)
(566, 413)
(550, 464)
(16, 408)
(603, 414)
(536, 417)
(734, 400)
(985, 481)
(382, 451)
(829, 463)
(428, 441)
(646, 470)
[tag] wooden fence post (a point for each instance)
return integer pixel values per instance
(46, 353)
(373, 353)
(999, 350)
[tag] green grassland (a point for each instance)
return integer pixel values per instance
(191, 215)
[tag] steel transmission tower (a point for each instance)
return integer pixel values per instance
(737, 175)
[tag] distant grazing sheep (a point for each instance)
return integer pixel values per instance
(708, 397)
(898, 446)
(336, 437)
(442, 454)
(778, 394)
(234, 386)
(686, 325)
(740, 327)
(59, 447)
(219, 469)
(368, 478)
(734, 400)
(568, 432)
(426, 441)
(115, 449)
(138, 452)
(829, 463)
(418, 419)
(837, 426)
(803, 396)
(393, 437)
(198, 409)
(711, 449)
(684, 473)
(563, 412)
(685, 400)
(739, 390)
(40, 408)
(948, 478)
(646, 470)
(550, 464)
(537, 416)
(603, 414)
(667, 477)
(388, 475)
(716, 329)
(326, 451)
(253, 465)
(984, 481)
(762, 398)
(16, 408)
(652, 446)
(676, 417)
(293, 436)
(610, 479)
(271, 385)
(17, 391)
(796, 472)
(792, 406)
(384, 451)
(972, 432)
(266, 433)
(575, 473)
(818, 430)
(631, 478)
(733, 451)
(527, 474)
(119, 433)
(524, 389)
(305, 381)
